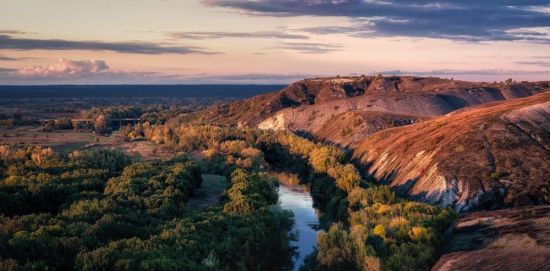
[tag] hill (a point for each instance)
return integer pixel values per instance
(487, 157)
(360, 105)
(483, 157)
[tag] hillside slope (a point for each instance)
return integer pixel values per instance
(503, 240)
(482, 157)
(361, 105)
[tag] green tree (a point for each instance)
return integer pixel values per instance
(338, 250)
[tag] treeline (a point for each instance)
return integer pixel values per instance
(109, 118)
(152, 113)
(325, 168)
(372, 228)
(384, 233)
(100, 210)
(16, 119)
(106, 119)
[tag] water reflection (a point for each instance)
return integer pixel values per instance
(300, 203)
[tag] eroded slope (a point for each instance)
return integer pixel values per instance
(486, 156)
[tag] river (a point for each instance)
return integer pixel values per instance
(299, 201)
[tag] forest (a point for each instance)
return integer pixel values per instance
(367, 226)
(103, 210)
(96, 208)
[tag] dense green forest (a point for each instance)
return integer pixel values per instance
(367, 226)
(101, 210)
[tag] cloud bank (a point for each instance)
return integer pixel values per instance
(7, 58)
(471, 20)
(6, 31)
(221, 34)
(66, 71)
(310, 48)
(10, 42)
(535, 63)
(66, 68)
(6, 71)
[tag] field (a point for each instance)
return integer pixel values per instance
(61, 141)
(144, 149)
(68, 140)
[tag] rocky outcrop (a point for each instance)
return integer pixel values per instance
(482, 157)
(504, 240)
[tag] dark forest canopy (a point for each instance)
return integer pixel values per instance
(372, 228)
(102, 210)
(78, 91)
(99, 210)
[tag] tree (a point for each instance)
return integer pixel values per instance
(63, 124)
(339, 250)
(101, 125)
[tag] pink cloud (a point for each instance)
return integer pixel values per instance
(66, 68)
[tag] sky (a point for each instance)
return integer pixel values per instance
(269, 41)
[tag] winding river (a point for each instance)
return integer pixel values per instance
(297, 200)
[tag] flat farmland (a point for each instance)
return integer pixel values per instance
(61, 141)
(69, 140)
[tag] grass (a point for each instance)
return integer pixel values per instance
(65, 140)
(146, 150)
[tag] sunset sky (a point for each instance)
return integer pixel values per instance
(269, 41)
